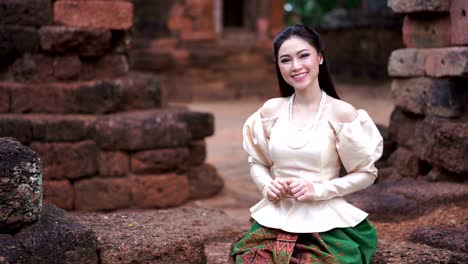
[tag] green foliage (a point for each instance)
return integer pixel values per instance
(311, 12)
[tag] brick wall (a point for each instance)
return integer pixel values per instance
(429, 122)
(106, 136)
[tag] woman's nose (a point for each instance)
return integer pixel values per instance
(295, 64)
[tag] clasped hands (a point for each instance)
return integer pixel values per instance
(299, 189)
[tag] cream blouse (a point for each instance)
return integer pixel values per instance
(357, 144)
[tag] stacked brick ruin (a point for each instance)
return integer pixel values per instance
(430, 121)
(197, 59)
(106, 137)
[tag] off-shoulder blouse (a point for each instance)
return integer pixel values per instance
(357, 145)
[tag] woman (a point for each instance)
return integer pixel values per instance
(296, 144)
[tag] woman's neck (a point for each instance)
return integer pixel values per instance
(308, 97)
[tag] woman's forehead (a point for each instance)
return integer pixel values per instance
(293, 45)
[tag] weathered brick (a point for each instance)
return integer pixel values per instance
(402, 127)
(16, 40)
(109, 66)
(406, 162)
(424, 33)
(25, 12)
(407, 63)
(4, 98)
(200, 124)
(159, 191)
(102, 194)
(204, 181)
(59, 193)
(141, 91)
(16, 127)
(141, 130)
(65, 98)
(197, 152)
(40, 68)
(442, 97)
(67, 160)
(459, 21)
(412, 6)
(113, 164)
(447, 62)
(61, 127)
(94, 14)
(70, 40)
(160, 161)
(444, 143)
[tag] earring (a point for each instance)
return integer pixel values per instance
(321, 61)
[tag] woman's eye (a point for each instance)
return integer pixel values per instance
(284, 60)
(305, 56)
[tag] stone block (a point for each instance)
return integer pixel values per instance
(204, 181)
(197, 150)
(16, 40)
(94, 14)
(26, 12)
(444, 143)
(442, 97)
(113, 164)
(109, 66)
(406, 163)
(425, 33)
(65, 98)
(59, 193)
(61, 127)
(459, 22)
(200, 124)
(55, 237)
(67, 160)
(407, 63)
(39, 68)
(141, 130)
(16, 127)
(447, 62)
(20, 185)
(402, 125)
(97, 194)
(160, 161)
(4, 98)
(159, 191)
(416, 6)
(441, 237)
(71, 40)
(141, 91)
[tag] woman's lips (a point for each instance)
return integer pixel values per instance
(299, 76)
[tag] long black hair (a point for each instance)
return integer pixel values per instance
(313, 38)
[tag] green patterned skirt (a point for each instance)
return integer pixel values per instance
(340, 245)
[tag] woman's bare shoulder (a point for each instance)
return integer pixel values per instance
(341, 111)
(272, 107)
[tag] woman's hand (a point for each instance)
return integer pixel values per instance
(301, 189)
(277, 189)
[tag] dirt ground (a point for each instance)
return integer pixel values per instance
(225, 147)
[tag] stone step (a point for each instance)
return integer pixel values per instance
(134, 91)
(394, 201)
(218, 253)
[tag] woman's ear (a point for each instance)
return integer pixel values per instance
(320, 56)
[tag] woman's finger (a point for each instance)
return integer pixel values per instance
(279, 187)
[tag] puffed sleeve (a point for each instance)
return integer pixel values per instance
(256, 136)
(359, 145)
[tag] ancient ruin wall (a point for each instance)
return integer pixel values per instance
(198, 58)
(430, 121)
(105, 135)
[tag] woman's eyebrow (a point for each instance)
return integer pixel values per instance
(285, 55)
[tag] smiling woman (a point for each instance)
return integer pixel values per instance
(295, 145)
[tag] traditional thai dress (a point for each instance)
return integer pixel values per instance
(327, 229)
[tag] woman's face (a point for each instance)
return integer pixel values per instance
(298, 62)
